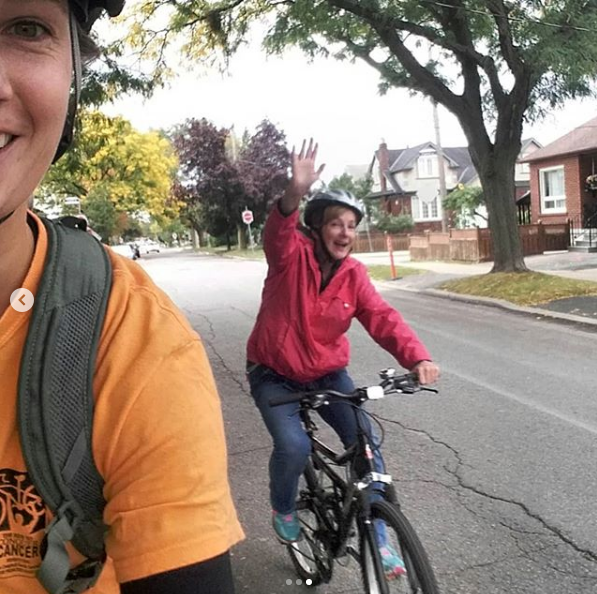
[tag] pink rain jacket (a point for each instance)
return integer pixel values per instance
(300, 332)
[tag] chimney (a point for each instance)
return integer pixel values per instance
(384, 164)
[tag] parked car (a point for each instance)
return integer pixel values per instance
(128, 250)
(149, 246)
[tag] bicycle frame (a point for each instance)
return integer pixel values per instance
(354, 493)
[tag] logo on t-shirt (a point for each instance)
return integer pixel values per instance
(22, 522)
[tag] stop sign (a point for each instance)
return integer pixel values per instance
(247, 217)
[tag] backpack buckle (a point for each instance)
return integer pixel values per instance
(83, 576)
(54, 572)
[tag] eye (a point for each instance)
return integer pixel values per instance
(29, 29)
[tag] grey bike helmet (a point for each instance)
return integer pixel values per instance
(322, 200)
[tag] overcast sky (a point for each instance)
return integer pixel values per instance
(335, 102)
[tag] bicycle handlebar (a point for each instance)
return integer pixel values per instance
(391, 384)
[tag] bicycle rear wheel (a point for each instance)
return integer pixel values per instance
(311, 555)
(400, 535)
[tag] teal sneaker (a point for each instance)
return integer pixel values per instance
(287, 526)
(393, 566)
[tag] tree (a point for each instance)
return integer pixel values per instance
(102, 215)
(112, 161)
(220, 176)
(465, 201)
(492, 63)
(360, 187)
(264, 162)
(394, 223)
(210, 183)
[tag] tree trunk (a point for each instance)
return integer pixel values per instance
(241, 233)
(497, 179)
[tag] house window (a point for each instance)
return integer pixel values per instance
(427, 165)
(425, 211)
(553, 194)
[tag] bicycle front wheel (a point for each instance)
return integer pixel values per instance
(391, 526)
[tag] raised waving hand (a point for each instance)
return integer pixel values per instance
(304, 174)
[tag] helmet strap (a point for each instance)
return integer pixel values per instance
(69, 124)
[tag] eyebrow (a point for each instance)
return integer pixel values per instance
(60, 3)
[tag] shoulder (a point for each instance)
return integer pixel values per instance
(141, 320)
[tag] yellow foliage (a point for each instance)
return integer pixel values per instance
(135, 170)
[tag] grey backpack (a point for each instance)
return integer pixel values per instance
(55, 403)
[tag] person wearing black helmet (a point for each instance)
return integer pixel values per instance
(157, 436)
(312, 292)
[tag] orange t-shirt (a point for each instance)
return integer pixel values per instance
(158, 441)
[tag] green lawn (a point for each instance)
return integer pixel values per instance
(376, 271)
(383, 272)
(527, 288)
(256, 253)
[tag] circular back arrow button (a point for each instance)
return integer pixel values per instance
(22, 300)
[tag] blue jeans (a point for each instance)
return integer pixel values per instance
(291, 443)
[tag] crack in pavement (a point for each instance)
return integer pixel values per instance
(232, 374)
(249, 451)
(587, 553)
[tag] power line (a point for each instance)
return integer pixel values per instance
(519, 19)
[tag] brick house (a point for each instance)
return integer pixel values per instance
(407, 180)
(559, 172)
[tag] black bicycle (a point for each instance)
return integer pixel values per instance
(342, 516)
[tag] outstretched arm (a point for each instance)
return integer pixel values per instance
(304, 175)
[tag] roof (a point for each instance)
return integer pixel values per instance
(402, 159)
(581, 140)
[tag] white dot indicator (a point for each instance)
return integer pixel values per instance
(289, 582)
(309, 582)
(299, 582)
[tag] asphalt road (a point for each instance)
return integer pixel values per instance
(497, 473)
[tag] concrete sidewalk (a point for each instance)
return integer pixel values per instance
(578, 266)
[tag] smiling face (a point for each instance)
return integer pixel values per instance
(338, 231)
(35, 77)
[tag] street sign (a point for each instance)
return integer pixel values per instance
(72, 201)
(247, 217)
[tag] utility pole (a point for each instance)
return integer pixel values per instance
(441, 168)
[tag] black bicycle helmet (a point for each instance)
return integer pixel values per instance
(85, 12)
(88, 11)
(322, 200)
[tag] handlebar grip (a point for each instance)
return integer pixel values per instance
(280, 399)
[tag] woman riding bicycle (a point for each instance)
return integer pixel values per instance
(312, 292)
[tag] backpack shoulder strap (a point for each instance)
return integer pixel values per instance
(55, 403)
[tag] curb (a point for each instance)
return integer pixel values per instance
(500, 304)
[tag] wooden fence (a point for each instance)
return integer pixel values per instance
(379, 242)
(474, 245)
